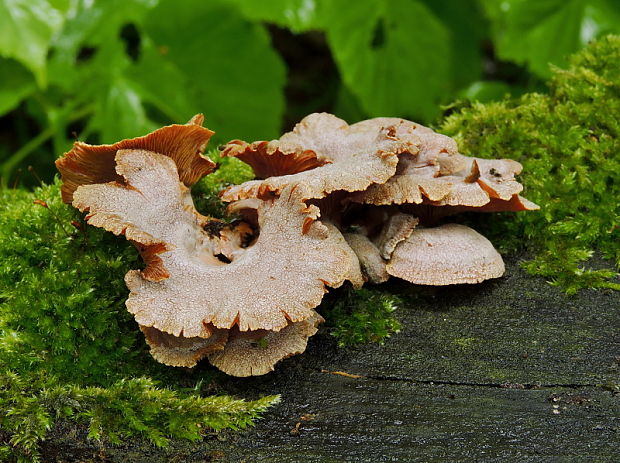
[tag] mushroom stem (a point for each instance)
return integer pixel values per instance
(373, 265)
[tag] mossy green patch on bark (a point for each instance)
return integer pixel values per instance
(569, 144)
(359, 316)
(69, 348)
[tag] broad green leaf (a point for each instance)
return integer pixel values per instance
(26, 29)
(161, 83)
(347, 106)
(16, 83)
(543, 32)
(600, 17)
(89, 64)
(297, 15)
(93, 24)
(485, 91)
(468, 28)
(119, 113)
(394, 55)
(539, 32)
(224, 64)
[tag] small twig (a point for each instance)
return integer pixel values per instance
(40, 202)
(35, 175)
(17, 179)
(343, 373)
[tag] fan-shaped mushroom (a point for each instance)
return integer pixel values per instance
(439, 176)
(396, 229)
(256, 352)
(243, 293)
(154, 209)
(445, 255)
(178, 351)
(323, 153)
(88, 164)
(373, 265)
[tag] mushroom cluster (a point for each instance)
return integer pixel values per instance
(332, 203)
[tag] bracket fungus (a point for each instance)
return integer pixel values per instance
(325, 154)
(332, 203)
(445, 255)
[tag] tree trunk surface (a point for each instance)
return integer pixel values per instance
(507, 370)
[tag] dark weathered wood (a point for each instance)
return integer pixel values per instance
(511, 370)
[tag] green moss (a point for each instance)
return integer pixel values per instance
(359, 316)
(569, 144)
(69, 348)
(230, 171)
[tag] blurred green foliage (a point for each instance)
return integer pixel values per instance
(104, 70)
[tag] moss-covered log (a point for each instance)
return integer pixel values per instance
(508, 370)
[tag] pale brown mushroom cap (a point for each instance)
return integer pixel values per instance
(278, 279)
(281, 277)
(438, 175)
(87, 164)
(180, 351)
(268, 160)
(373, 265)
(335, 155)
(445, 255)
(476, 185)
(256, 353)
(152, 211)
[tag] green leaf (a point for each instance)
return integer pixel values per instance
(26, 29)
(223, 63)
(601, 17)
(16, 84)
(543, 32)
(297, 15)
(92, 25)
(393, 55)
(162, 83)
(485, 91)
(468, 28)
(120, 113)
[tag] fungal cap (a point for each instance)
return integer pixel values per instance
(88, 164)
(179, 351)
(438, 175)
(397, 228)
(195, 286)
(445, 255)
(256, 353)
(326, 155)
(373, 265)
(268, 160)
